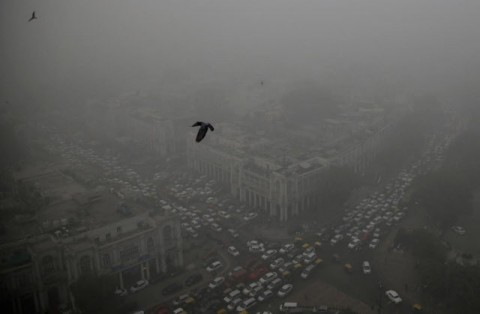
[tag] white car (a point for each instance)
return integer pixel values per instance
(216, 227)
(374, 243)
(337, 238)
(234, 233)
(256, 248)
(354, 243)
(232, 295)
(268, 277)
(139, 285)
(366, 267)
(180, 300)
(121, 292)
(285, 290)
(268, 254)
(234, 303)
(250, 216)
(277, 263)
(310, 258)
(393, 296)
(217, 282)
(233, 251)
(214, 266)
(286, 248)
(265, 295)
(250, 287)
(459, 230)
(245, 305)
(274, 283)
(306, 272)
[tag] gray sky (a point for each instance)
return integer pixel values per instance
(83, 46)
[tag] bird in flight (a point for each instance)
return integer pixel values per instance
(203, 130)
(34, 17)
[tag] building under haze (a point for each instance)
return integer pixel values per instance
(280, 172)
(273, 181)
(88, 233)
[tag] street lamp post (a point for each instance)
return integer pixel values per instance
(380, 297)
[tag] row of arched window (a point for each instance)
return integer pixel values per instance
(85, 262)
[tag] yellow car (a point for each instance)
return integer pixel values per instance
(348, 268)
(297, 267)
(189, 300)
(417, 308)
(286, 274)
(318, 261)
(298, 239)
(306, 245)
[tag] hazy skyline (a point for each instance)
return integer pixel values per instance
(82, 47)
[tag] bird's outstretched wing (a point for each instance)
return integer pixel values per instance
(198, 123)
(33, 16)
(210, 127)
(201, 134)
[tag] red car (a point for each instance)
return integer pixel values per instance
(239, 275)
(256, 274)
(256, 265)
(161, 309)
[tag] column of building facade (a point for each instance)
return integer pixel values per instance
(179, 245)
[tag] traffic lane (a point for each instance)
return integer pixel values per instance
(152, 296)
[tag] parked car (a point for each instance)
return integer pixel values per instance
(247, 304)
(259, 272)
(265, 295)
(306, 272)
(233, 251)
(250, 216)
(366, 267)
(139, 285)
(374, 243)
(310, 258)
(287, 248)
(250, 287)
(217, 282)
(459, 230)
(121, 292)
(268, 277)
(268, 254)
(180, 300)
(277, 263)
(354, 243)
(285, 290)
(232, 295)
(214, 266)
(234, 303)
(274, 284)
(393, 296)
